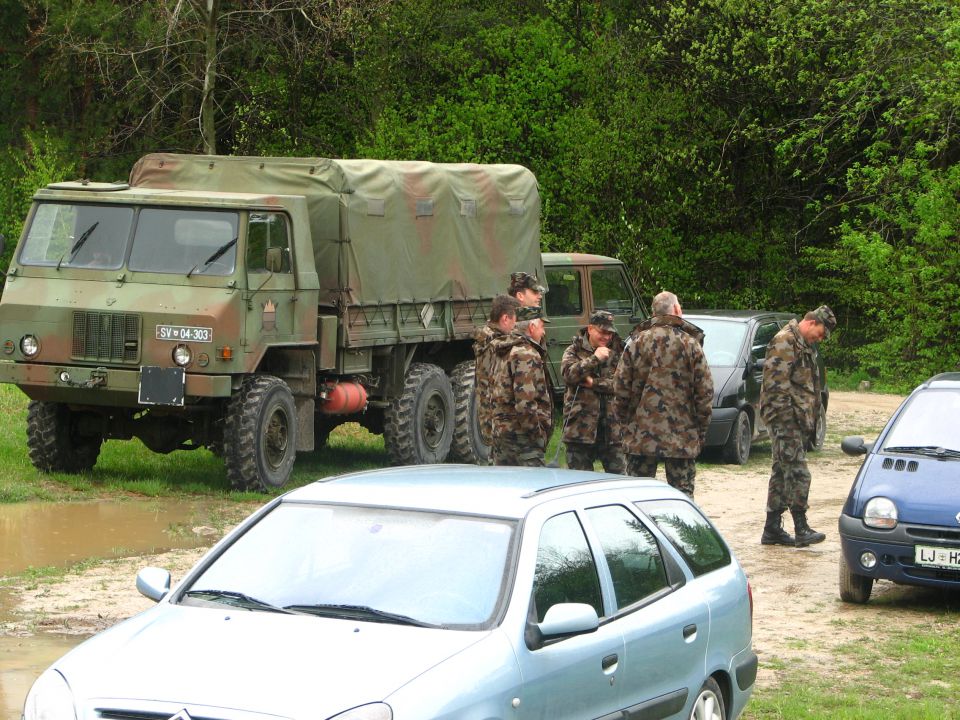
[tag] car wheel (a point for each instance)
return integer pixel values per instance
(709, 703)
(737, 448)
(853, 588)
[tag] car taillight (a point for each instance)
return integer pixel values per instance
(750, 595)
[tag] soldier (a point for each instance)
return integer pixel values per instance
(503, 318)
(526, 288)
(790, 406)
(523, 406)
(664, 392)
(590, 427)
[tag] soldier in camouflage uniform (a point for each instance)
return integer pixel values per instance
(522, 401)
(664, 394)
(789, 406)
(591, 430)
(503, 318)
(526, 288)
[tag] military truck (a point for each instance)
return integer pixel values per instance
(250, 305)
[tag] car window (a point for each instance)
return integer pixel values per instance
(762, 337)
(721, 340)
(691, 534)
(566, 571)
(632, 554)
(564, 297)
(929, 419)
(611, 291)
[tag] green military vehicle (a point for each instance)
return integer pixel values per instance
(250, 305)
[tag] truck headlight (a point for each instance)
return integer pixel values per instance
(49, 699)
(880, 512)
(29, 346)
(182, 355)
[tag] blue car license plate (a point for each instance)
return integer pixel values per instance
(941, 557)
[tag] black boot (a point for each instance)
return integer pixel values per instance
(805, 534)
(773, 532)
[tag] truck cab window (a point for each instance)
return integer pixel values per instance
(77, 236)
(611, 291)
(564, 297)
(176, 240)
(268, 243)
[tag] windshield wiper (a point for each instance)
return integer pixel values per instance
(928, 450)
(84, 236)
(217, 254)
(238, 599)
(360, 612)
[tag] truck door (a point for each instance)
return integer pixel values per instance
(612, 291)
(567, 313)
(270, 281)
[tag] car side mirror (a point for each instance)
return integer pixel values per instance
(756, 364)
(568, 619)
(854, 445)
(153, 582)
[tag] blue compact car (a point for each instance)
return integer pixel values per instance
(901, 521)
(439, 591)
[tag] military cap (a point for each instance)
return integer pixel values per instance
(824, 315)
(603, 319)
(526, 314)
(525, 281)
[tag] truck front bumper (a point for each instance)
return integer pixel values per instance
(80, 385)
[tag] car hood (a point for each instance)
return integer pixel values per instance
(927, 493)
(260, 662)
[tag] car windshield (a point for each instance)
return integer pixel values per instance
(929, 421)
(722, 340)
(373, 564)
(165, 240)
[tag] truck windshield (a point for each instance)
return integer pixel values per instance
(164, 240)
(88, 236)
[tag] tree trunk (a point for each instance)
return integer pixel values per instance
(208, 126)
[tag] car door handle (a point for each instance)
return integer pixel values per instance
(689, 631)
(609, 661)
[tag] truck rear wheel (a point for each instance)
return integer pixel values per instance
(260, 435)
(468, 445)
(419, 423)
(55, 442)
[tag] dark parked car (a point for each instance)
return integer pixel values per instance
(901, 521)
(735, 342)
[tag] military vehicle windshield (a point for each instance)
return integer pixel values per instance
(107, 237)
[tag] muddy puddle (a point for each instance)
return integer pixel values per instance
(45, 535)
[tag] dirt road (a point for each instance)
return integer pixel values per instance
(798, 615)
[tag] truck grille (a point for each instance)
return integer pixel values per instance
(106, 337)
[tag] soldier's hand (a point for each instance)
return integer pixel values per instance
(587, 382)
(602, 353)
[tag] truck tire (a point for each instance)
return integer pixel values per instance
(419, 424)
(468, 445)
(260, 434)
(53, 440)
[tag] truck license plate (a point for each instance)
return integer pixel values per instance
(161, 386)
(184, 333)
(931, 556)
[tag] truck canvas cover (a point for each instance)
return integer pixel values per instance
(386, 231)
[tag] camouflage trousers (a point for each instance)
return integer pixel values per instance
(514, 449)
(681, 472)
(789, 483)
(581, 456)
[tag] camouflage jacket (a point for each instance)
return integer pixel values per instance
(522, 401)
(664, 389)
(790, 394)
(487, 339)
(584, 408)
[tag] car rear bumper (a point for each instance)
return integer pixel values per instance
(894, 550)
(744, 670)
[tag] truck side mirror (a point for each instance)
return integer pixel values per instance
(274, 259)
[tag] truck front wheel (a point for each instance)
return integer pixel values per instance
(55, 442)
(260, 434)
(419, 424)
(468, 445)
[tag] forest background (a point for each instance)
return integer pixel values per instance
(770, 154)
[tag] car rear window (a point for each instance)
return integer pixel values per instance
(691, 534)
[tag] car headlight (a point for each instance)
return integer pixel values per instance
(29, 346)
(880, 512)
(49, 699)
(182, 355)
(373, 711)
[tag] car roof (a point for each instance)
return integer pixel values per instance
(948, 380)
(495, 491)
(737, 315)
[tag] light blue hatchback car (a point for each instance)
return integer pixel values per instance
(435, 592)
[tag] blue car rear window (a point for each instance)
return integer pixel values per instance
(691, 534)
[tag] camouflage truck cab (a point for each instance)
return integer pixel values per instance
(250, 305)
